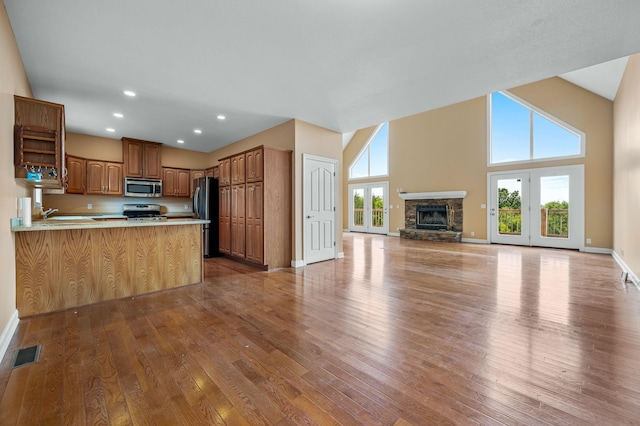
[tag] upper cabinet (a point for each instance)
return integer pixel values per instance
(76, 175)
(254, 165)
(39, 140)
(237, 169)
(104, 178)
(175, 182)
(224, 169)
(141, 158)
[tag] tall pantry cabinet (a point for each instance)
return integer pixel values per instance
(255, 206)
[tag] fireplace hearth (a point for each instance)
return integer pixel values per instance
(434, 219)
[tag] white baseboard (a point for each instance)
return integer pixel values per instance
(475, 241)
(7, 334)
(346, 230)
(597, 250)
(393, 234)
(625, 268)
(340, 255)
(297, 263)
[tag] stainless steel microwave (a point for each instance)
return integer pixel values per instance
(142, 187)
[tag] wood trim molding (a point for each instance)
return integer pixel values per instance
(432, 195)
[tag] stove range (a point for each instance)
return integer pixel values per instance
(142, 212)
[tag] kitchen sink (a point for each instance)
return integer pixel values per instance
(66, 218)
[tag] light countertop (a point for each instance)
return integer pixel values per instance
(90, 222)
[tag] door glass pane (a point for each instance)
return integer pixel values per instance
(358, 207)
(554, 208)
(377, 207)
(509, 202)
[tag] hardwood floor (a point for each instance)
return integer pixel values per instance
(399, 332)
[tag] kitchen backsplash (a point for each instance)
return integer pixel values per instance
(102, 204)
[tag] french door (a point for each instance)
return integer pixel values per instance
(369, 207)
(537, 207)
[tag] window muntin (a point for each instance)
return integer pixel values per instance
(521, 133)
(373, 160)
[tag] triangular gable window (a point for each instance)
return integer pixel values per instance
(520, 132)
(373, 160)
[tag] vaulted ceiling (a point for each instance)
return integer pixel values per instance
(339, 64)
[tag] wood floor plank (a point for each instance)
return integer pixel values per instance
(398, 332)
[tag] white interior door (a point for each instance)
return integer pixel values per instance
(319, 209)
(551, 211)
(369, 207)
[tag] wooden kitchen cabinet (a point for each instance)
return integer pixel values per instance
(141, 158)
(104, 178)
(260, 209)
(254, 165)
(175, 182)
(76, 175)
(254, 228)
(238, 220)
(237, 169)
(225, 172)
(195, 174)
(39, 135)
(224, 219)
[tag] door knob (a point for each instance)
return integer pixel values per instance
(309, 217)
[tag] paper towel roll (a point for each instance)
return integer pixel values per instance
(25, 211)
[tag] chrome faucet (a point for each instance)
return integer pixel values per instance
(47, 213)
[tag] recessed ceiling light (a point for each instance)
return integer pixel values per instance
(198, 131)
(180, 141)
(117, 115)
(129, 93)
(111, 129)
(222, 117)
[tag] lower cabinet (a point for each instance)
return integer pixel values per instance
(238, 220)
(224, 219)
(104, 178)
(254, 223)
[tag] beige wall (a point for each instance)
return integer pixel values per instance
(445, 150)
(314, 140)
(627, 167)
(302, 138)
(281, 136)
(13, 82)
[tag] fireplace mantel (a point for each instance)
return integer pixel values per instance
(432, 195)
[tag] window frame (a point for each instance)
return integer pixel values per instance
(364, 148)
(532, 109)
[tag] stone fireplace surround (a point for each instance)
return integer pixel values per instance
(453, 199)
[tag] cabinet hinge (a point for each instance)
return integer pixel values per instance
(334, 243)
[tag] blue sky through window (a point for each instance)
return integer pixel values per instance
(373, 161)
(520, 134)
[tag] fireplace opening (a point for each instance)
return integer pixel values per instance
(432, 217)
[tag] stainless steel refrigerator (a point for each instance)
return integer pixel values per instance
(205, 206)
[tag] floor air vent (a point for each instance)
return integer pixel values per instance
(25, 356)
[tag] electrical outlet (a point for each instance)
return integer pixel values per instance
(89, 206)
(186, 206)
(473, 234)
(588, 240)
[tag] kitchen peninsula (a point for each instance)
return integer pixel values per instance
(65, 264)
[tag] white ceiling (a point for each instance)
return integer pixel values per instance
(339, 64)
